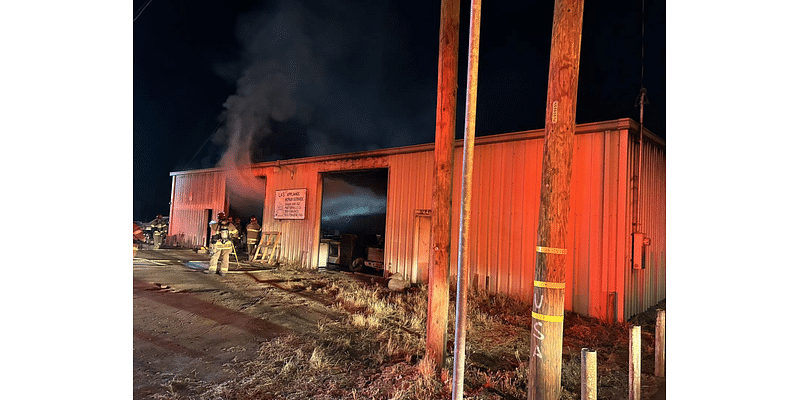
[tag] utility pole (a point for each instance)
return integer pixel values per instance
(547, 325)
(441, 212)
(464, 244)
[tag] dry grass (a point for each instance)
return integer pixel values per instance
(377, 351)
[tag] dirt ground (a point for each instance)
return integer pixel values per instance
(187, 323)
(194, 333)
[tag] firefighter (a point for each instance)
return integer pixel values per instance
(238, 239)
(159, 231)
(222, 234)
(252, 237)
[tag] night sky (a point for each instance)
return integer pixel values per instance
(92, 98)
(240, 81)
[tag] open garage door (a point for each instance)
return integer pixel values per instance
(245, 201)
(353, 219)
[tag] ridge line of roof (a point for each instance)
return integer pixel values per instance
(616, 124)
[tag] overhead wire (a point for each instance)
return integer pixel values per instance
(202, 145)
(642, 97)
(141, 9)
(642, 81)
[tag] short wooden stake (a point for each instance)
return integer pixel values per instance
(661, 341)
(588, 374)
(635, 363)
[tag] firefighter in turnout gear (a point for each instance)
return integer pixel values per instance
(159, 231)
(222, 234)
(239, 237)
(252, 237)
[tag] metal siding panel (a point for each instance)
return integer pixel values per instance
(393, 202)
(408, 196)
(402, 168)
(607, 264)
(498, 270)
(505, 213)
(508, 241)
(494, 227)
(655, 227)
(495, 221)
(576, 293)
(480, 204)
(533, 180)
(192, 195)
(393, 214)
(611, 222)
(508, 217)
(517, 207)
(622, 246)
(596, 291)
(405, 216)
(585, 228)
(645, 288)
(410, 188)
(406, 220)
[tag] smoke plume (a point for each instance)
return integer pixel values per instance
(314, 80)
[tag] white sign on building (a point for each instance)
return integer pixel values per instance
(290, 204)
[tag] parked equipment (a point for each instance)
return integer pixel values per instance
(353, 252)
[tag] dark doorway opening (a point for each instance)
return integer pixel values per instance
(209, 218)
(353, 220)
(243, 203)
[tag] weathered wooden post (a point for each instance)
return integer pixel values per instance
(588, 374)
(544, 382)
(442, 209)
(635, 363)
(661, 340)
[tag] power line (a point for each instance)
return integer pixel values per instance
(141, 9)
(641, 99)
(642, 43)
(201, 146)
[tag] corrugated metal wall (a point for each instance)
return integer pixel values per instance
(410, 189)
(505, 219)
(646, 287)
(596, 225)
(505, 212)
(507, 173)
(192, 196)
(300, 238)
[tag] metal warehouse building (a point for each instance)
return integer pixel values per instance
(602, 281)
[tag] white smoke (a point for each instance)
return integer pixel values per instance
(265, 90)
(321, 68)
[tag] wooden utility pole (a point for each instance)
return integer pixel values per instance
(551, 247)
(442, 210)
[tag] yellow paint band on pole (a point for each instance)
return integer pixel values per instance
(548, 318)
(550, 250)
(549, 285)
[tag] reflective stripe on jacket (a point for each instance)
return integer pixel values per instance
(226, 233)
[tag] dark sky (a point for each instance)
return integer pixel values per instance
(254, 80)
